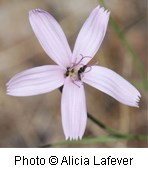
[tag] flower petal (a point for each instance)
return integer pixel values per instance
(35, 81)
(112, 84)
(51, 37)
(91, 35)
(73, 108)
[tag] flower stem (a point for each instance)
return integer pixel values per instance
(115, 133)
(115, 136)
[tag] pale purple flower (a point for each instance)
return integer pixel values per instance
(71, 70)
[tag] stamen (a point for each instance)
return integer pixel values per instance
(83, 58)
(78, 63)
(76, 73)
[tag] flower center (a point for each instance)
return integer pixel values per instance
(72, 72)
(76, 71)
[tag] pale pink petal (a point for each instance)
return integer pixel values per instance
(35, 81)
(112, 84)
(50, 36)
(91, 35)
(73, 108)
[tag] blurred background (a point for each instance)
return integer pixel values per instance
(36, 121)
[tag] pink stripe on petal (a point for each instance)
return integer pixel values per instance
(73, 108)
(91, 35)
(36, 81)
(50, 36)
(112, 84)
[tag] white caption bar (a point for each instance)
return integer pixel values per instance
(73, 160)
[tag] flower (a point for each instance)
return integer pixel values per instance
(72, 69)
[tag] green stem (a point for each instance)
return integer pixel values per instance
(128, 47)
(117, 134)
